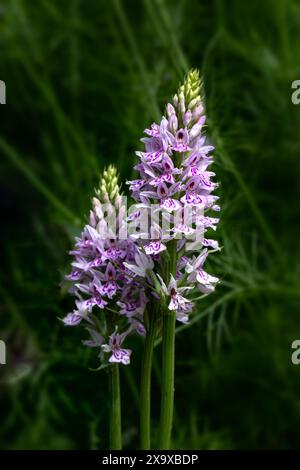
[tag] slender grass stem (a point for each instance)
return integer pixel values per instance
(145, 393)
(115, 436)
(133, 44)
(164, 35)
(171, 32)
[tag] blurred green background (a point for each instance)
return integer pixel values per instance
(83, 79)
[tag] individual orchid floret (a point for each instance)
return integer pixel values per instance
(118, 354)
(72, 319)
(206, 282)
(153, 248)
(81, 313)
(174, 294)
(96, 339)
(142, 263)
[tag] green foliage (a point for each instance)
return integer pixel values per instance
(83, 79)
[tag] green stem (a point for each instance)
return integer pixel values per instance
(115, 409)
(167, 398)
(168, 361)
(145, 393)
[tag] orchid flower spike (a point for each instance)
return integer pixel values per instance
(107, 277)
(175, 176)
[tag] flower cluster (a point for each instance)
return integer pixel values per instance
(116, 276)
(174, 175)
(110, 300)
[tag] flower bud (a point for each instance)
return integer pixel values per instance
(196, 129)
(195, 102)
(109, 189)
(182, 103)
(170, 109)
(198, 111)
(187, 117)
(173, 123)
(191, 89)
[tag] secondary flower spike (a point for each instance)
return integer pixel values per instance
(175, 175)
(110, 299)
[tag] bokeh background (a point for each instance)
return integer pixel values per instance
(83, 79)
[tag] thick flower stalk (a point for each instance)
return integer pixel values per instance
(175, 191)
